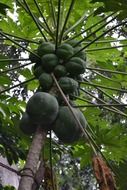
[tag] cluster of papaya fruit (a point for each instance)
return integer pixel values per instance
(48, 110)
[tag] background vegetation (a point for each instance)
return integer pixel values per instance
(101, 26)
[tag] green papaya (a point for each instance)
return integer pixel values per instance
(81, 54)
(74, 95)
(26, 125)
(49, 61)
(74, 43)
(43, 108)
(60, 71)
(65, 126)
(79, 78)
(64, 51)
(45, 48)
(37, 70)
(76, 66)
(68, 85)
(60, 99)
(46, 81)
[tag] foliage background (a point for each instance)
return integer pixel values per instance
(107, 123)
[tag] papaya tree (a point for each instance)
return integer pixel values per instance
(63, 92)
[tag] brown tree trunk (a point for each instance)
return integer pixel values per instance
(30, 168)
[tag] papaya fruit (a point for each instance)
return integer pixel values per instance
(65, 126)
(60, 71)
(74, 95)
(43, 108)
(64, 51)
(81, 54)
(45, 48)
(37, 70)
(49, 61)
(45, 81)
(33, 58)
(26, 125)
(68, 84)
(79, 78)
(60, 99)
(73, 43)
(76, 66)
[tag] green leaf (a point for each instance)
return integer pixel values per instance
(26, 73)
(121, 178)
(3, 8)
(33, 85)
(5, 63)
(84, 152)
(5, 80)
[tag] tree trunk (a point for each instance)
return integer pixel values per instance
(30, 168)
(39, 176)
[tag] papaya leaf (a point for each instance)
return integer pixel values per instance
(3, 8)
